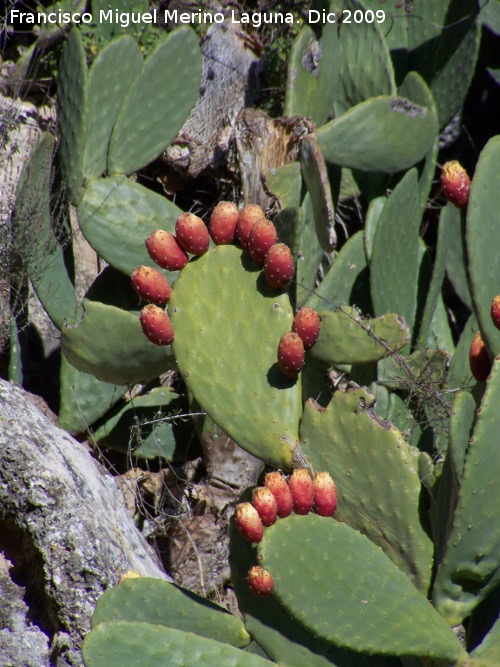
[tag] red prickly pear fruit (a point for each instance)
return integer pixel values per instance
(249, 215)
(279, 266)
(325, 494)
(302, 490)
(156, 325)
(306, 324)
(266, 505)
(278, 486)
(164, 249)
(495, 311)
(479, 359)
(192, 234)
(249, 522)
(291, 354)
(151, 285)
(223, 221)
(262, 236)
(260, 581)
(455, 184)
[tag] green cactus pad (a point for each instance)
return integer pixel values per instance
(106, 30)
(365, 67)
(487, 654)
(343, 341)
(285, 184)
(309, 252)
(35, 237)
(347, 280)
(456, 265)
(385, 134)
(375, 208)
(375, 473)
(441, 334)
(108, 342)
(149, 600)
(483, 249)
(84, 398)
(314, 172)
(443, 48)
(441, 45)
(145, 426)
(460, 374)
(227, 325)
(283, 637)
(460, 427)
(312, 74)
(157, 103)
(470, 569)
(107, 88)
(394, 284)
(346, 591)
(128, 644)
(288, 223)
(72, 112)
(436, 283)
(116, 216)
(415, 89)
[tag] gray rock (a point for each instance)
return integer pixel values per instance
(64, 528)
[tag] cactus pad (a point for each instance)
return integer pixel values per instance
(482, 239)
(394, 284)
(35, 237)
(157, 103)
(346, 591)
(84, 398)
(106, 90)
(391, 134)
(284, 638)
(227, 325)
(116, 216)
(128, 644)
(375, 472)
(347, 279)
(145, 426)
(159, 602)
(108, 342)
(343, 341)
(365, 67)
(312, 74)
(471, 565)
(72, 111)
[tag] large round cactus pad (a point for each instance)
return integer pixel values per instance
(345, 590)
(227, 325)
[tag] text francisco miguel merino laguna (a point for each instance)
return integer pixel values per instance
(124, 19)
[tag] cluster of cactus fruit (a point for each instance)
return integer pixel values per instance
(414, 551)
(254, 233)
(279, 498)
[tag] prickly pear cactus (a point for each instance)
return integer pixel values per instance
(470, 568)
(482, 248)
(137, 644)
(376, 609)
(226, 317)
(375, 470)
(147, 600)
